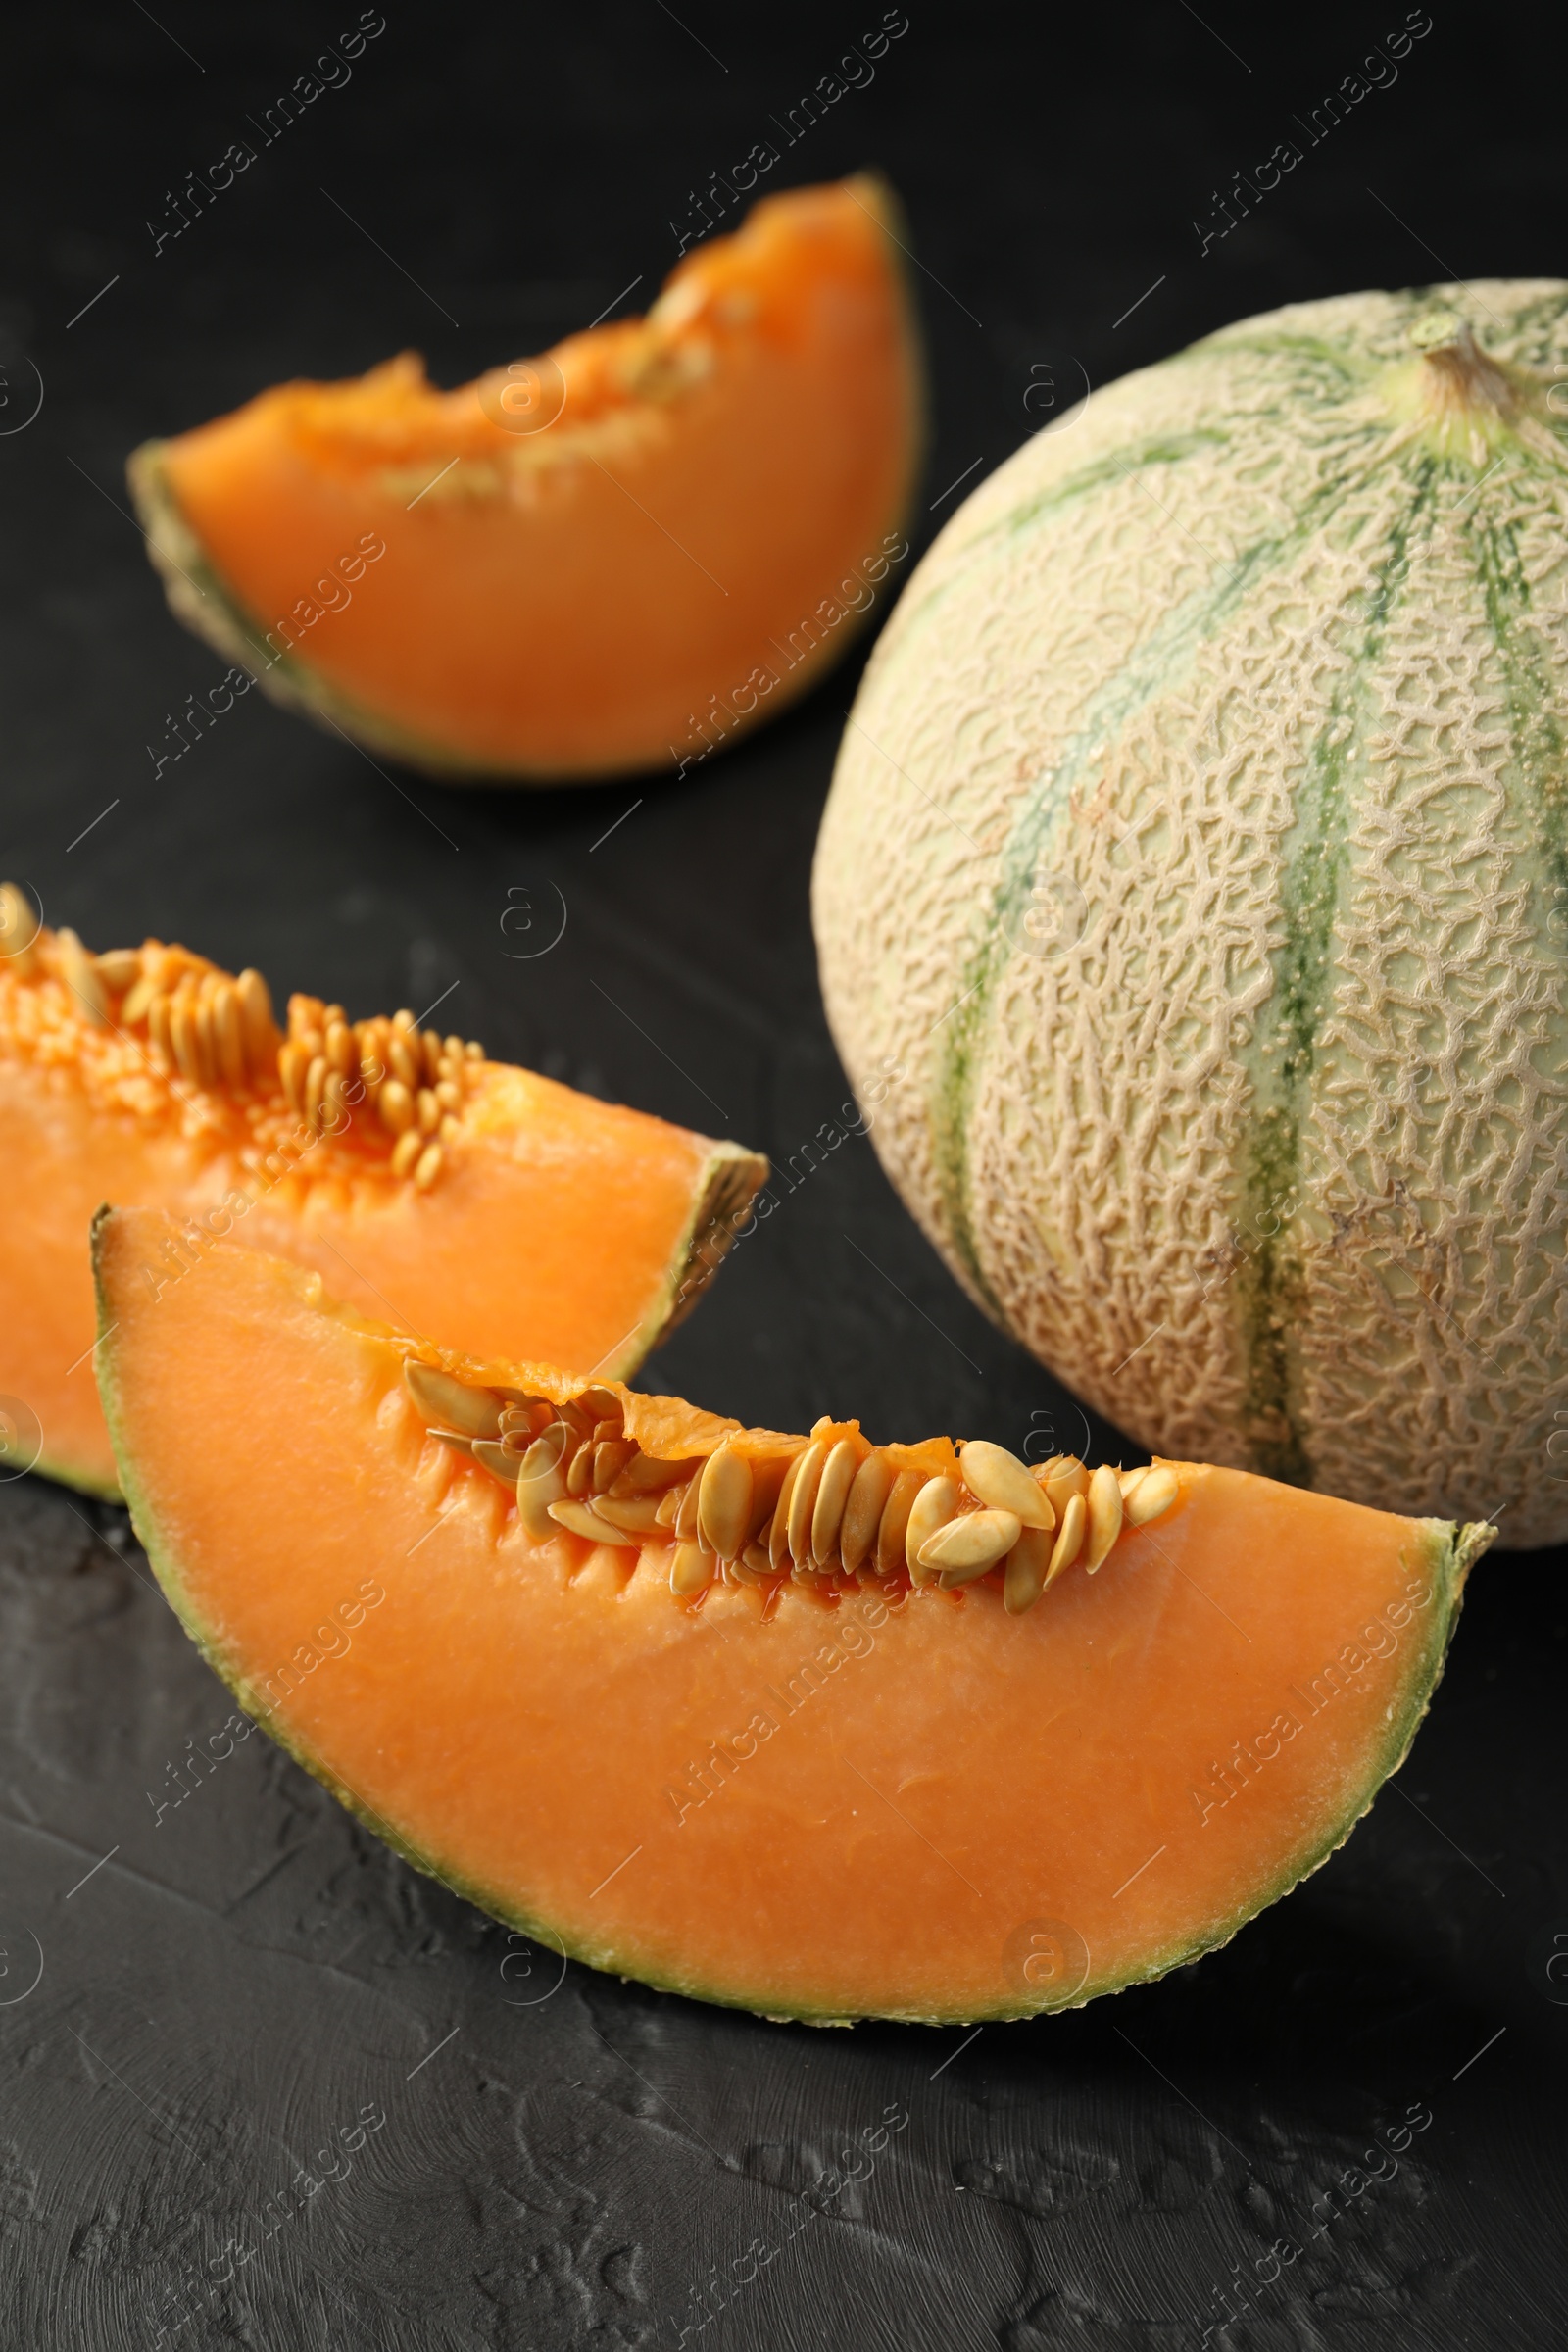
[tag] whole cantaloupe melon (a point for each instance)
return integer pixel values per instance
(1199, 848)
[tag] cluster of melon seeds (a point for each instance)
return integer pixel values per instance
(759, 1508)
(412, 1081)
(159, 1031)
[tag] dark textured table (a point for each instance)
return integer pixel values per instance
(1346, 2130)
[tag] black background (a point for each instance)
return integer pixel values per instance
(572, 2164)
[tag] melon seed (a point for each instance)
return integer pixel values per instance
(498, 1461)
(685, 1520)
(19, 931)
(540, 1483)
(119, 968)
(1069, 1536)
(611, 1458)
(893, 1526)
(1156, 1490)
(1104, 1516)
(79, 973)
(638, 1514)
(724, 1503)
(396, 1107)
(692, 1569)
(934, 1505)
(802, 1501)
(1028, 1564)
(670, 1506)
(597, 1404)
(767, 1475)
(256, 1013)
(862, 1510)
(228, 1029)
(438, 1397)
(137, 1002)
(998, 1478)
(1063, 1475)
(581, 1521)
(778, 1544)
(966, 1547)
(645, 1475)
(832, 1493)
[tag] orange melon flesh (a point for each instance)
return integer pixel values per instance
(930, 1810)
(702, 505)
(557, 1223)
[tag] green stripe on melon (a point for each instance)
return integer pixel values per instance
(1254, 673)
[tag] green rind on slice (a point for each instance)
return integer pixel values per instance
(731, 1180)
(81, 1482)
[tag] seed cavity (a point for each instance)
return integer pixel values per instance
(381, 1080)
(820, 1511)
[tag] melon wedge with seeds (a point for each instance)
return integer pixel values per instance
(615, 556)
(428, 1183)
(747, 1773)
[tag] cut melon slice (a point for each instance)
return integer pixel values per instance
(818, 1728)
(611, 556)
(429, 1184)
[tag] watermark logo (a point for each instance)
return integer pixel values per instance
(521, 922)
(21, 1965)
(1044, 1441)
(532, 1968)
(1546, 1962)
(20, 1437)
(1053, 400)
(1557, 1447)
(524, 396)
(20, 403)
(19, 926)
(1053, 918)
(1047, 1961)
